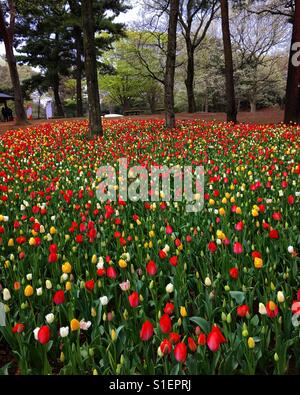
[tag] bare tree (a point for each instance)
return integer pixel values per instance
(195, 17)
(255, 37)
(7, 30)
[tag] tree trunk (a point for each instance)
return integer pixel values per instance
(230, 94)
(79, 69)
(206, 103)
(39, 107)
(292, 106)
(170, 64)
(253, 106)
(189, 81)
(59, 108)
(95, 126)
(7, 35)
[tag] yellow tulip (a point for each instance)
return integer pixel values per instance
(66, 267)
(74, 325)
(52, 230)
(183, 311)
(122, 264)
(258, 263)
(28, 291)
(11, 243)
(251, 342)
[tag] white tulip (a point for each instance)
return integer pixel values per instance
(29, 276)
(170, 288)
(48, 284)
(39, 291)
(35, 332)
(262, 309)
(6, 294)
(49, 318)
(290, 249)
(104, 300)
(64, 331)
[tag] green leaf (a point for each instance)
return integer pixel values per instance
(175, 369)
(238, 296)
(254, 320)
(204, 325)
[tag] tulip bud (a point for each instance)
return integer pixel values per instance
(223, 316)
(276, 357)
(207, 282)
(262, 309)
(251, 342)
(113, 335)
(6, 294)
(125, 315)
(280, 297)
(93, 312)
(228, 318)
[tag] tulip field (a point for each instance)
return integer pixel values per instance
(147, 287)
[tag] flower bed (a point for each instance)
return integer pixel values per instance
(146, 287)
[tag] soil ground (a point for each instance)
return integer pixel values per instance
(262, 117)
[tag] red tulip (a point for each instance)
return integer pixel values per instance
(192, 344)
(277, 216)
(243, 311)
(291, 200)
(169, 308)
(165, 323)
(174, 337)
(212, 247)
(215, 338)
(59, 297)
(18, 328)
(239, 226)
(173, 260)
(274, 234)
(180, 352)
(44, 334)
(101, 272)
(272, 309)
(201, 339)
(147, 331)
(237, 248)
(111, 272)
(162, 254)
(169, 230)
(165, 347)
(89, 285)
(52, 257)
(151, 268)
(134, 299)
(234, 273)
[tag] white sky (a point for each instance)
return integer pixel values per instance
(127, 18)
